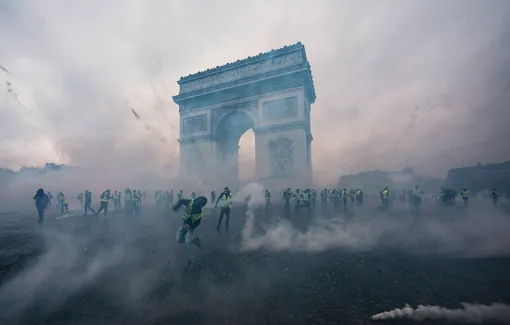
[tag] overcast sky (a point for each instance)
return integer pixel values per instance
(422, 81)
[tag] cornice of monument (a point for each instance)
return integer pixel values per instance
(254, 88)
(230, 74)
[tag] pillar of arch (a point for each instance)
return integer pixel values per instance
(272, 94)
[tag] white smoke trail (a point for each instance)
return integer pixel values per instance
(253, 195)
(469, 313)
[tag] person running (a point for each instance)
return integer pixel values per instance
(190, 221)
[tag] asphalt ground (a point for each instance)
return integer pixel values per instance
(283, 269)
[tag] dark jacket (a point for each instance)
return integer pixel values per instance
(196, 208)
(41, 199)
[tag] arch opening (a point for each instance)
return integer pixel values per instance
(229, 131)
(247, 171)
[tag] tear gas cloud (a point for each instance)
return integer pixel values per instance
(478, 232)
(418, 81)
(469, 313)
(74, 264)
(59, 272)
(71, 266)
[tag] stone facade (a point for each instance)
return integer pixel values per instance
(270, 93)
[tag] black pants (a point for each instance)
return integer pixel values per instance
(224, 211)
(104, 206)
(87, 207)
(40, 212)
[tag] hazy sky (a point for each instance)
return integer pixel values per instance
(424, 81)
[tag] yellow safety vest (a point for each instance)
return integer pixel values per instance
(385, 194)
(304, 196)
(225, 200)
(103, 197)
(194, 216)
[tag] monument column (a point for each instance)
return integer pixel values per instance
(283, 139)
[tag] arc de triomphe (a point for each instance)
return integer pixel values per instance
(270, 93)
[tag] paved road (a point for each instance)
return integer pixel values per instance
(129, 271)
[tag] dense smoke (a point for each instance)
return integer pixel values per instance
(114, 256)
(65, 268)
(477, 232)
(417, 82)
(469, 313)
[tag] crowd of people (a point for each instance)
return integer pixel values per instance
(193, 205)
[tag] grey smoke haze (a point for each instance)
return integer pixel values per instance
(63, 269)
(479, 232)
(469, 313)
(71, 264)
(423, 81)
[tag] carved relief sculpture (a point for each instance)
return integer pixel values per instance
(280, 109)
(194, 124)
(280, 158)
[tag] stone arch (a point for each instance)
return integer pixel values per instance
(221, 115)
(228, 128)
(270, 93)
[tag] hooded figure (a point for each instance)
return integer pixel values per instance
(190, 221)
(41, 203)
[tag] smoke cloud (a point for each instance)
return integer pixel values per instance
(63, 269)
(477, 232)
(417, 81)
(469, 313)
